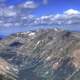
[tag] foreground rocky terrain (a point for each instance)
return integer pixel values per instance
(40, 55)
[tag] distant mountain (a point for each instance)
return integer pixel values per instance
(50, 54)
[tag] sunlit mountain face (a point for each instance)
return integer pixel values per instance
(20, 16)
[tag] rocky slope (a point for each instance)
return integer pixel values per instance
(41, 55)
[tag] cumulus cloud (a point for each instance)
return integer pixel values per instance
(68, 17)
(19, 10)
(15, 16)
(72, 12)
(29, 4)
(8, 11)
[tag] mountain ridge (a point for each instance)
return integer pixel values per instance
(50, 54)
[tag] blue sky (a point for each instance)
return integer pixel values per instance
(53, 6)
(23, 15)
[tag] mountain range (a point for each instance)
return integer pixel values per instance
(50, 54)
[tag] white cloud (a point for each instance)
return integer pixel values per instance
(72, 12)
(29, 4)
(17, 24)
(57, 16)
(8, 11)
(16, 17)
(7, 24)
(13, 11)
(30, 17)
(45, 1)
(68, 17)
(1, 21)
